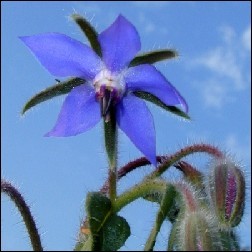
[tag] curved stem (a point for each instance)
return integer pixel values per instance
(23, 208)
(169, 161)
(165, 161)
(140, 189)
(137, 191)
(129, 168)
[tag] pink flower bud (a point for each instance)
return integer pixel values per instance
(226, 186)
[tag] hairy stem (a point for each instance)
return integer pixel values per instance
(169, 161)
(110, 130)
(165, 161)
(166, 205)
(137, 191)
(23, 208)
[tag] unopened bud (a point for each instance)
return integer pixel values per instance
(226, 186)
(195, 232)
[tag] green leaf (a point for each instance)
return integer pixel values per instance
(165, 206)
(108, 231)
(98, 209)
(151, 98)
(51, 92)
(90, 32)
(154, 56)
(115, 232)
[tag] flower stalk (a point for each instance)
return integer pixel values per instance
(17, 198)
(110, 131)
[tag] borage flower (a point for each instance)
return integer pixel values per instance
(110, 83)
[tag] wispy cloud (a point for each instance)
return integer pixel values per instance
(224, 60)
(226, 65)
(146, 23)
(214, 94)
(239, 149)
(228, 33)
(246, 38)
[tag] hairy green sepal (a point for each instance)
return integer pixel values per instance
(62, 88)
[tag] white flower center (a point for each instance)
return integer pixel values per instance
(112, 82)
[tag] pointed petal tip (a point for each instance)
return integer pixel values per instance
(55, 133)
(23, 38)
(63, 56)
(121, 17)
(48, 134)
(120, 42)
(184, 106)
(183, 103)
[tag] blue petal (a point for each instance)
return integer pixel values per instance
(148, 78)
(64, 56)
(80, 112)
(135, 119)
(120, 42)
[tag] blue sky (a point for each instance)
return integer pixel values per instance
(54, 174)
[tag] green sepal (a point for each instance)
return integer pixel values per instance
(154, 56)
(229, 240)
(90, 32)
(115, 232)
(166, 205)
(191, 174)
(151, 98)
(62, 88)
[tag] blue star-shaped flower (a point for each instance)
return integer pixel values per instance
(109, 81)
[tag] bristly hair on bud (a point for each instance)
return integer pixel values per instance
(226, 190)
(197, 232)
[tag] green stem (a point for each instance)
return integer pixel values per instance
(19, 201)
(166, 205)
(139, 190)
(110, 130)
(142, 188)
(173, 237)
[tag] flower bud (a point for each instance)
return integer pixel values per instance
(226, 187)
(195, 231)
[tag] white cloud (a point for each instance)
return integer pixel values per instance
(246, 38)
(223, 62)
(146, 23)
(227, 64)
(228, 33)
(239, 150)
(213, 93)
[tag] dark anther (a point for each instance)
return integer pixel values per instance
(106, 101)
